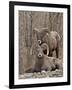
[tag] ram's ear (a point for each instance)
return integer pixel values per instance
(45, 30)
(35, 30)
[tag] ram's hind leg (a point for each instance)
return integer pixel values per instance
(50, 54)
(57, 52)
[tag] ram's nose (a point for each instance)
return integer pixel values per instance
(39, 55)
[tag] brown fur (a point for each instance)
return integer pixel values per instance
(51, 63)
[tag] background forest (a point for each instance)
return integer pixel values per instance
(28, 20)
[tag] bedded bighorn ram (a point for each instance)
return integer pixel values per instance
(43, 62)
(52, 39)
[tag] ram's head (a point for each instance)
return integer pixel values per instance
(40, 33)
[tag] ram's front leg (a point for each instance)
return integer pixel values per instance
(57, 52)
(50, 54)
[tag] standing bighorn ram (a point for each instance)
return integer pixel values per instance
(52, 39)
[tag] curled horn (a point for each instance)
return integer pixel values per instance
(45, 47)
(47, 50)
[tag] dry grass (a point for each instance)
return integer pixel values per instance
(28, 20)
(43, 74)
